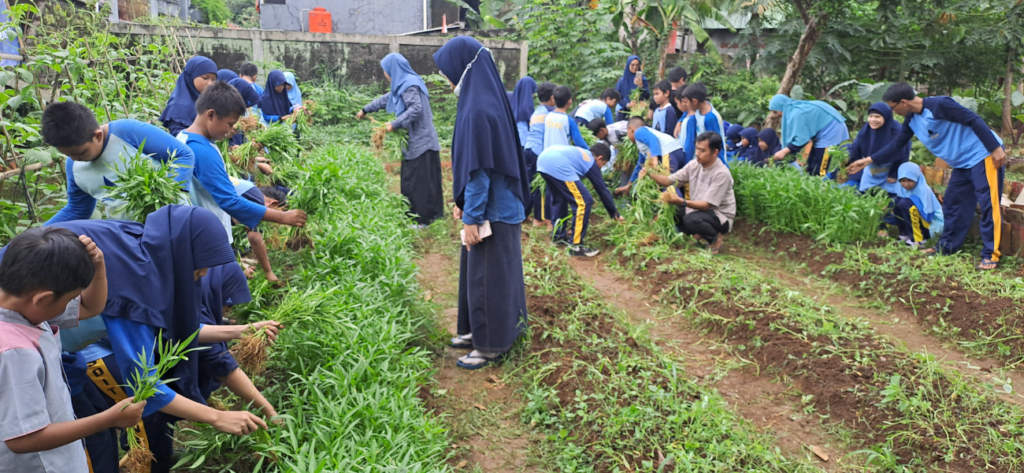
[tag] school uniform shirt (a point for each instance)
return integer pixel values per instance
(832, 134)
(212, 188)
(713, 185)
(33, 394)
(594, 108)
(652, 142)
(950, 131)
(664, 120)
(698, 123)
(86, 179)
(417, 117)
(535, 135)
(488, 197)
(569, 164)
(560, 130)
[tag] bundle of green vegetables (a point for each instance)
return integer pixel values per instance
(251, 351)
(144, 186)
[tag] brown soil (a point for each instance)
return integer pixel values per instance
(758, 399)
(492, 438)
(298, 242)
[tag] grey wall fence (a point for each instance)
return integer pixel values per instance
(354, 56)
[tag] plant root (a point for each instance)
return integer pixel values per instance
(137, 460)
(251, 353)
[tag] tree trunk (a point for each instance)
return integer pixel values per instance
(796, 63)
(1007, 97)
(663, 56)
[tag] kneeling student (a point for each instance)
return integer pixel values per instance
(710, 210)
(918, 212)
(561, 167)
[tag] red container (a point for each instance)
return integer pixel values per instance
(320, 20)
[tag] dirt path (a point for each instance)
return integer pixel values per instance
(482, 412)
(764, 403)
(902, 327)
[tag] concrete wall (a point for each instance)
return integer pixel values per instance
(357, 57)
(377, 17)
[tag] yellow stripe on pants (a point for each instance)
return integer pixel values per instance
(824, 163)
(915, 224)
(542, 217)
(581, 207)
(992, 175)
(100, 375)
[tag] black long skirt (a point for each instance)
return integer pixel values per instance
(492, 294)
(421, 184)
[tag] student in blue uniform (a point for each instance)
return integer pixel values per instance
(153, 271)
(653, 143)
(677, 76)
(732, 140)
(94, 152)
(961, 138)
(562, 167)
(225, 286)
(540, 206)
(558, 128)
(918, 212)
(664, 119)
(219, 108)
(632, 78)
(181, 107)
(522, 106)
(490, 188)
(250, 73)
(274, 103)
(748, 144)
(294, 94)
(811, 121)
(248, 92)
(602, 108)
(409, 101)
(267, 196)
(704, 118)
(767, 145)
(879, 130)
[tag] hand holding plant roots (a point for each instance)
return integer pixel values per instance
(651, 206)
(251, 350)
(144, 186)
(144, 383)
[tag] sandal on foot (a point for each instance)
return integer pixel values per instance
(716, 251)
(462, 341)
(469, 362)
(988, 262)
(929, 252)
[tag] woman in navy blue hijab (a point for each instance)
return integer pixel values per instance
(275, 104)
(490, 190)
(521, 101)
(180, 111)
(628, 82)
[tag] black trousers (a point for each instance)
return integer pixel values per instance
(703, 223)
(817, 162)
(569, 199)
(421, 184)
(492, 293)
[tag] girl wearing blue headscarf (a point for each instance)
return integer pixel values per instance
(181, 107)
(918, 212)
(490, 189)
(748, 144)
(767, 146)
(805, 121)
(632, 77)
(153, 272)
(732, 140)
(521, 101)
(294, 94)
(409, 100)
(876, 133)
(274, 103)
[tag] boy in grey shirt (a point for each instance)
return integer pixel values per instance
(711, 206)
(50, 278)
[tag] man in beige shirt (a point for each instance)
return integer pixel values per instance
(712, 205)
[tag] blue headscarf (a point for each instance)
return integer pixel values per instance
(485, 129)
(521, 99)
(275, 103)
(223, 285)
(402, 77)
(181, 107)
(225, 75)
(769, 137)
(802, 119)
(922, 195)
(150, 268)
(747, 152)
(248, 92)
(294, 95)
(872, 141)
(625, 84)
(732, 133)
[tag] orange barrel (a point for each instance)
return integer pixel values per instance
(319, 20)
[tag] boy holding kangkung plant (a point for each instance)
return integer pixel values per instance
(49, 278)
(95, 152)
(653, 143)
(218, 109)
